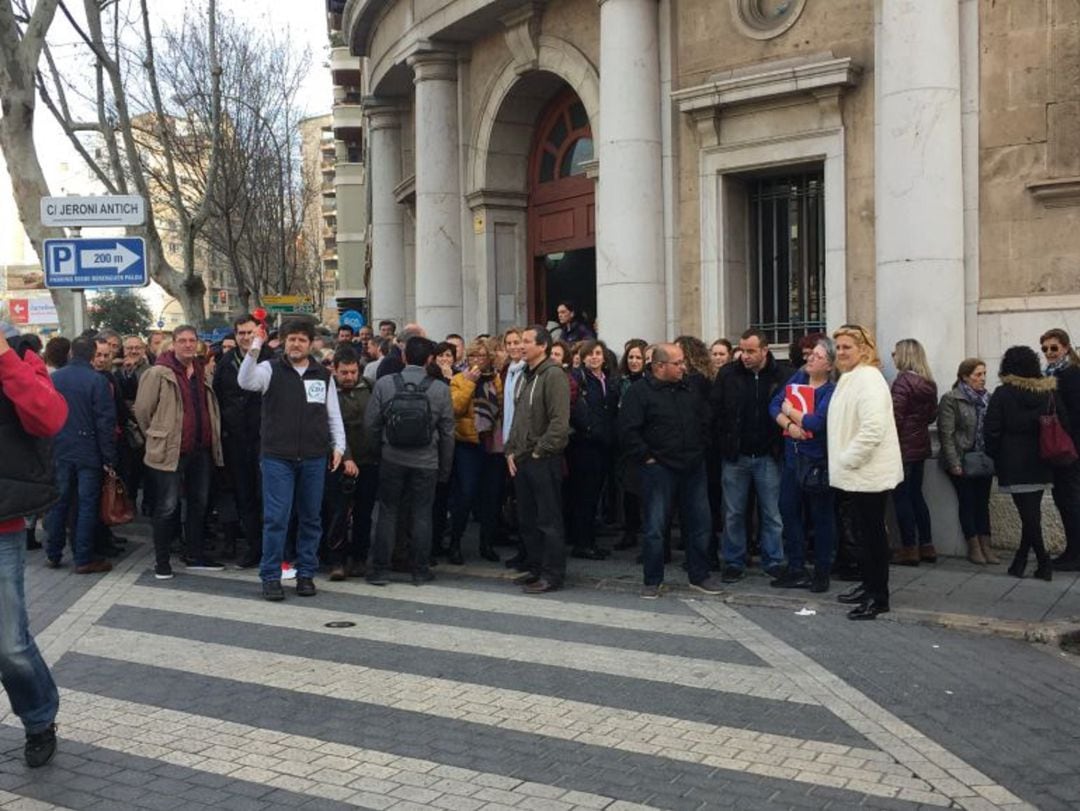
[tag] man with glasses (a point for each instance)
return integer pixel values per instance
(750, 448)
(664, 426)
(1063, 363)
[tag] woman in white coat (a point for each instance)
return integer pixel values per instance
(864, 461)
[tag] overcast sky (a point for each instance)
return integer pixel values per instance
(305, 19)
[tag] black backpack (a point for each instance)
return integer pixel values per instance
(407, 417)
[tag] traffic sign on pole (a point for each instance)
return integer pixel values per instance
(91, 212)
(289, 305)
(94, 263)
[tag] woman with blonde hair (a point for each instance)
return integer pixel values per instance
(864, 461)
(915, 401)
(476, 394)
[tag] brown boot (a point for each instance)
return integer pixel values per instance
(927, 553)
(975, 554)
(94, 567)
(906, 556)
(337, 573)
(987, 550)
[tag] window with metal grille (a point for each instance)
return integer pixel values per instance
(787, 255)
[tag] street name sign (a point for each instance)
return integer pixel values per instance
(94, 263)
(93, 212)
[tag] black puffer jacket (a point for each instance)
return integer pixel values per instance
(593, 413)
(733, 389)
(668, 422)
(1012, 428)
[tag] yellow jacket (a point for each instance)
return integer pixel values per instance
(462, 391)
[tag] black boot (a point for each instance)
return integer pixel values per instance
(1016, 569)
(487, 551)
(453, 554)
(32, 542)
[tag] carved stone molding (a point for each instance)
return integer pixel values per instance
(405, 191)
(523, 36)
(1060, 192)
(497, 198)
(821, 77)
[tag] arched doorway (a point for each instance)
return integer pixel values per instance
(561, 210)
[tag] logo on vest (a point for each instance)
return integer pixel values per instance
(316, 391)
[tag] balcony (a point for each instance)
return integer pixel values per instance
(345, 70)
(349, 174)
(348, 121)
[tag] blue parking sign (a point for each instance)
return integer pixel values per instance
(95, 263)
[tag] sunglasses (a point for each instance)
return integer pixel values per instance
(1050, 348)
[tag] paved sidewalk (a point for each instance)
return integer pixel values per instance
(951, 592)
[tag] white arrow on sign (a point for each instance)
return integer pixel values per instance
(18, 308)
(118, 258)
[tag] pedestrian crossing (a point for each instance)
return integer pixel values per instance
(465, 698)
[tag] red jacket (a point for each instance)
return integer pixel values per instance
(42, 411)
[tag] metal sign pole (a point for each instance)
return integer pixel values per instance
(78, 299)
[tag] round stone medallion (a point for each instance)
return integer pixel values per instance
(765, 19)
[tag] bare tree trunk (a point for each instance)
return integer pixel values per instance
(18, 64)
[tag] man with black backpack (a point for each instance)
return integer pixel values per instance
(411, 415)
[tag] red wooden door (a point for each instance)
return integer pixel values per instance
(562, 200)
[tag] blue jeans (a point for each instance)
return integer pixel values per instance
(912, 514)
(763, 472)
(476, 484)
(85, 484)
(285, 481)
(820, 509)
(660, 486)
(23, 672)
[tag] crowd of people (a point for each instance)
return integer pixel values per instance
(371, 451)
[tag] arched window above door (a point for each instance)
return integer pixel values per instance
(565, 142)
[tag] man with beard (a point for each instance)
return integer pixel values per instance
(300, 427)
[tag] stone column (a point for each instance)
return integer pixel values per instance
(919, 196)
(438, 194)
(387, 293)
(630, 289)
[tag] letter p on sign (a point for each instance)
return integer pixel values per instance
(63, 259)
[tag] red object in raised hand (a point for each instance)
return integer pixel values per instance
(260, 315)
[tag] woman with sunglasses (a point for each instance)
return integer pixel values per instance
(864, 461)
(1063, 364)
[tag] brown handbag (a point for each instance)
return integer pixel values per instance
(117, 506)
(1056, 447)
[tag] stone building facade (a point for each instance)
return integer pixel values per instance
(701, 166)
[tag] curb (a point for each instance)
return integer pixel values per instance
(1060, 633)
